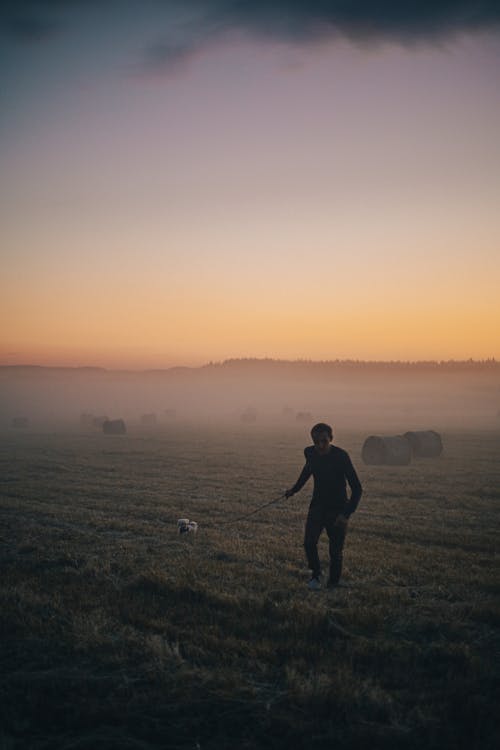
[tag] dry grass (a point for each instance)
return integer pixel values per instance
(118, 633)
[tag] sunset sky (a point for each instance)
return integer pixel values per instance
(184, 182)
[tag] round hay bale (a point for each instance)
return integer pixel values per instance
(388, 451)
(425, 444)
(114, 427)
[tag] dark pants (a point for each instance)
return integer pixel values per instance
(336, 530)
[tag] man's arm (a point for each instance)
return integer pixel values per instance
(304, 476)
(354, 484)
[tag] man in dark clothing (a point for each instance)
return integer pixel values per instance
(330, 507)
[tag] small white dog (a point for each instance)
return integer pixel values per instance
(186, 526)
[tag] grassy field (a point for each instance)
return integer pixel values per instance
(118, 633)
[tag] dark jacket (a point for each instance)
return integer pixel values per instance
(330, 473)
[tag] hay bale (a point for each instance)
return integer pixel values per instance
(425, 443)
(20, 423)
(386, 451)
(114, 427)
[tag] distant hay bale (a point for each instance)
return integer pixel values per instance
(389, 451)
(148, 420)
(425, 443)
(20, 423)
(249, 415)
(114, 427)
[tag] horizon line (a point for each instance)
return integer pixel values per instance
(489, 361)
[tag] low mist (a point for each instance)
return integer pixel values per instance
(375, 396)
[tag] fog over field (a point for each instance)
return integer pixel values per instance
(119, 632)
(371, 396)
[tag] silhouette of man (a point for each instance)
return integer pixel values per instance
(330, 507)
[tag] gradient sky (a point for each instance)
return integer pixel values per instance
(190, 183)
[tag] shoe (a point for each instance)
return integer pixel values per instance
(314, 584)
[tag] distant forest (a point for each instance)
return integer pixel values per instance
(269, 365)
(356, 364)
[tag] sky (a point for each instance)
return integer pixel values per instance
(186, 182)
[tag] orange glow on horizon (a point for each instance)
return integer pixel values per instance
(346, 209)
(151, 340)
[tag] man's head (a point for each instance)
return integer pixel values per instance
(322, 436)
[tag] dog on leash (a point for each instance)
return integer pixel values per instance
(186, 526)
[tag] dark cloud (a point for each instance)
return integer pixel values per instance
(304, 22)
(31, 21)
(168, 55)
(29, 29)
(299, 21)
(400, 19)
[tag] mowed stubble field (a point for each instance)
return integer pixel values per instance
(118, 633)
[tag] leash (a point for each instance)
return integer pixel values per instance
(252, 512)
